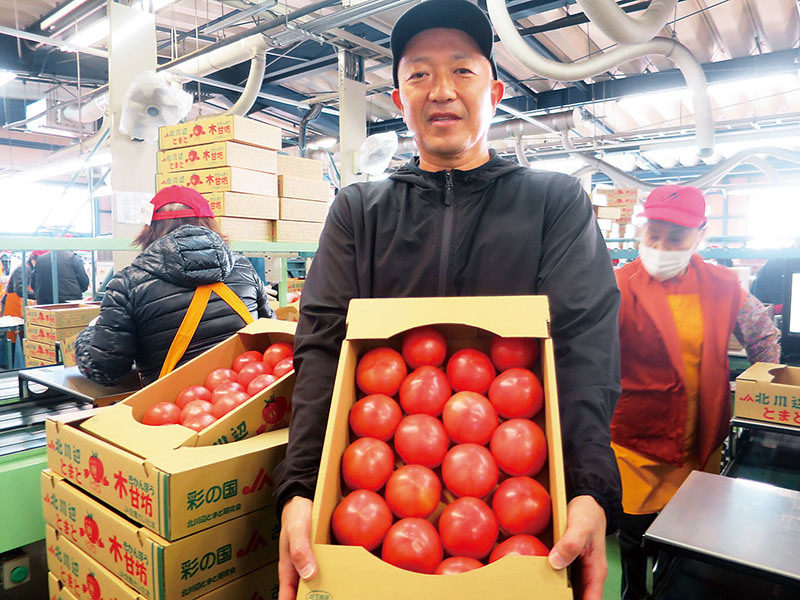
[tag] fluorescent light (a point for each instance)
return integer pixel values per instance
(324, 143)
(6, 76)
(96, 32)
(62, 12)
(101, 158)
(154, 5)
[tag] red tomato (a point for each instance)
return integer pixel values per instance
(468, 528)
(381, 371)
(218, 376)
(519, 447)
(250, 371)
(162, 413)
(421, 440)
(414, 545)
(516, 393)
(526, 545)
(193, 392)
(225, 388)
(199, 422)
(470, 370)
(259, 382)
(283, 367)
(228, 402)
(508, 353)
(276, 353)
(457, 564)
(424, 346)
(522, 505)
(376, 416)
(469, 417)
(275, 410)
(413, 491)
(245, 358)
(195, 407)
(361, 519)
(469, 470)
(425, 390)
(367, 464)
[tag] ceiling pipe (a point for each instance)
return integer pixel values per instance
(88, 112)
(621, 27)
(557, 71)
(258, 65)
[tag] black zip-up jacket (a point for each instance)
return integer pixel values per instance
(146, 301)
(72, 277)
(500, 229)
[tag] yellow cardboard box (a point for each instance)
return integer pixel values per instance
(769, 392)
(40, 351)
(37, 362)
(154, 567)
(62, 316)
(222, 179)
(295, 284)
(219, 128)
(305, 188)
(50, 335)
(296, 231)
(346, 571)
(607, 212)
(293, 209)
(236, 228)
(66, 349)
(301, 167)
(217, 154)
(234, 204)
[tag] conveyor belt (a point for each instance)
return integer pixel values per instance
(27, 414)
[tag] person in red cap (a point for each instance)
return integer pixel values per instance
(676, 318)
(146, 302)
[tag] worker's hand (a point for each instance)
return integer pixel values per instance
(585, 538)
(294, 547)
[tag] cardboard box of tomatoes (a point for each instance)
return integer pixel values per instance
(154, 567)
(442, 454)
(769, 392)
(179, 479)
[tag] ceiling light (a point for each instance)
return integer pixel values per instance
(62, 12)
(154, 5)
(324, 143)
(6, 76)
(96, 32)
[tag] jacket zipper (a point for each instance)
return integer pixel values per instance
(447, 233)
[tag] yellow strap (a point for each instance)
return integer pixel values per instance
(194, 315)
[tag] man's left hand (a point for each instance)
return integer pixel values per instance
(585, 538)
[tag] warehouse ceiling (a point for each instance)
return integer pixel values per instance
(637, 115)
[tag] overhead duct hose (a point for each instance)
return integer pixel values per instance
(310, 115)
(258, 65)
(87, 112)
(558, 71)
(623, 28)
(520, 152)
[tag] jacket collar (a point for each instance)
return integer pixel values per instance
(474, 179)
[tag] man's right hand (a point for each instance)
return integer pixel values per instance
(294, 547)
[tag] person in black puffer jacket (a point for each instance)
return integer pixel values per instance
(146, 301)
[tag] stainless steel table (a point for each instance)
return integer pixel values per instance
(58, 380)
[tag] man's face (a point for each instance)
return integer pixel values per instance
(447, 96)
(663, 235)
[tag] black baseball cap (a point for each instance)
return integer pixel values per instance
(449, 14)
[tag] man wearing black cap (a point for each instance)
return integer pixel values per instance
(460, 221)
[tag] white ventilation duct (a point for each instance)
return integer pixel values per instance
(623, 28)
(88, 112)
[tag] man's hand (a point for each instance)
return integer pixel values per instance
(294, 547)
(585, 538)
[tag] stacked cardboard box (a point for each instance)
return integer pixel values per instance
(232, 161)
(615, 208)
(138, 512)
(304, 198)
(48, 325)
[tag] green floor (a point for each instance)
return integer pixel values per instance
(612, 587)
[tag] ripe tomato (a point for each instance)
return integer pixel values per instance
(245, 358)
(228, 402)
(468, 528)
(414, 545)
(200, 421)
(424, 346)
(522, 505)
(376, 416)
(425, 390)
(250, 371)
(162, 413)
(225, 388)
(195, 407)
(193, 392)
(361, 519)
(508, 353)
(470, 370)
(457, 564)
(381, 371)
(275, 353)
(526, 545)
(218, 376)
(469, 470)
(283, 367)
(469, 417)
(516, 393)
(259, 382)
(367, 464)
(519, 447)
(413, 491)
(421, 440)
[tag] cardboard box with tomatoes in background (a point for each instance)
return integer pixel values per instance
(156, 475)
(50, 335)
(769, 392)
(222, 179)
(217, 154)
(249, 206)
(220, 128)
(61, 316)
(300, 167)
(352, 571)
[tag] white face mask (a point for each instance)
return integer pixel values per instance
(664, 264)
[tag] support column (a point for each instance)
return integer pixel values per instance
(352, 115)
